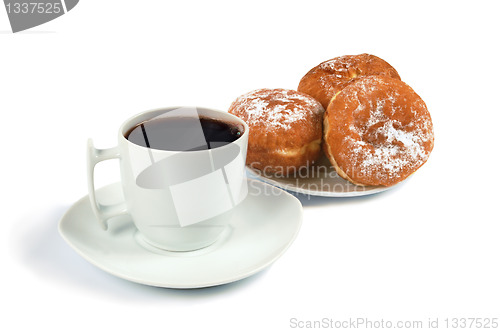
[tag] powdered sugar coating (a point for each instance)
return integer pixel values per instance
(285, 129)
(275, 108)
(381, 131)
(338, 65)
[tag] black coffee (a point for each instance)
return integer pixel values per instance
(184, 133)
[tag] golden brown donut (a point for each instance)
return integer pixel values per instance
(329, 77)
(377, 131)
(285, 129)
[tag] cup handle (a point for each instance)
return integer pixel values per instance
(101, 211)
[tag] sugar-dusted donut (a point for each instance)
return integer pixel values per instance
(377, 131)
(285, 129)
(329, 77)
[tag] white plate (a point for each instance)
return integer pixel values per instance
(264, 226)
(318, 180)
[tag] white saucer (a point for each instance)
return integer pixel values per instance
(264, 226)
(318, 180)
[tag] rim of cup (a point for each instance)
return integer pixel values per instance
(148, 115)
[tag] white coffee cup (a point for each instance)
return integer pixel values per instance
(178, 200)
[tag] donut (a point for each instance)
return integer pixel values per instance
(285, 129)
(329, 77)
(377, 131)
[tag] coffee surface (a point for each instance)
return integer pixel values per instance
(184, 133)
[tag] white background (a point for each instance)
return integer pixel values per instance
(427, 249)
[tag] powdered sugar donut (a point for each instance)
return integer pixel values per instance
(325, 80)
(378, 131)
(285, 129)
